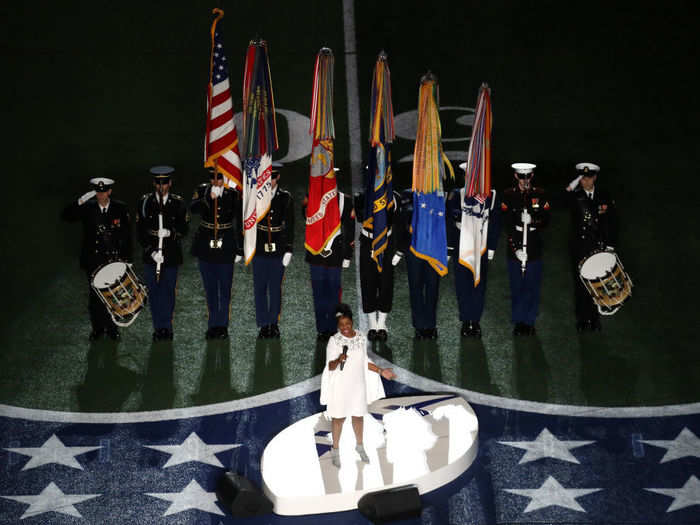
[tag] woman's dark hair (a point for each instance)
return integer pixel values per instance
(343, 310)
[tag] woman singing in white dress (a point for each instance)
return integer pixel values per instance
(350, 381)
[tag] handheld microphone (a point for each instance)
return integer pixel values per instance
(345, 353)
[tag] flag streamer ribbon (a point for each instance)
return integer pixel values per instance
(379, 199)
(322, 210)
(429, 238)
(260, 141)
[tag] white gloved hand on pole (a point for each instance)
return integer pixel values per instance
(217, 191)
(86, 197)
(396, 259)
(490, 254)
(286, 258)
(346, 263)
(237, 258)
(525, 217)
(521, 255)
(163, 233)
(157, 257)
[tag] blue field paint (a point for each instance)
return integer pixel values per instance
(608, 480)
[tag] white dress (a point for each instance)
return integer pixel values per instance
(347, 392)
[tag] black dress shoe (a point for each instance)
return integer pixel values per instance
(166, 334)
(210, 334)
(420, 334)
(595, 325)
(113, 334)
(518, 329)
(274, 331)
(221, 332)
(431, 333)
(529, 330)
(464, 332)
(382, 335)
(264, 332)
(372, 335)
(96, 334)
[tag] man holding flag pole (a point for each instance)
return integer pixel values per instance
(377, 208)
(474, 221)
(427, 258)
(329, 232)
(218, 241)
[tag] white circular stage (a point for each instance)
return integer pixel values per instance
(426, 441)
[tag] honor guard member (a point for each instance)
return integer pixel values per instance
(162, 221)
(217, 244)
(594, 228)
(106, 239)
(325, 268)
(423, 280)
(526, 213)
(273, 251)
(377, 287)
(470, 298)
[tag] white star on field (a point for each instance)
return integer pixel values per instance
(52, 451)
(546, 445)
(193, 449)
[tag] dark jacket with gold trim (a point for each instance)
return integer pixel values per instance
(229, 229)
(536, 203)
(594, 222)
(106, 237)
(391, 220)
(275, 232)
(175, 219)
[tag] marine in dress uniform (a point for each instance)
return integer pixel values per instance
(594, 228)
(423, 280)
(470, 298)
(526, 213)
(151, 229)
(377, 287)
(273, 252)
(217, 244)
(326, 266)
(106, 239)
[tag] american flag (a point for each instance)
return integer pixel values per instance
(221, 139)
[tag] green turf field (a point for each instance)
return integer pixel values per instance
(112, 89)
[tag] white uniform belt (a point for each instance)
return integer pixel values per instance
(531, 229)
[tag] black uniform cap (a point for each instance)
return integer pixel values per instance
(161, 173)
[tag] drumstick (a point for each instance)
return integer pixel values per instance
(160, 245)
(523, 263)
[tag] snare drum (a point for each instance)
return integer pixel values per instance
(605, 279)
(120, 290)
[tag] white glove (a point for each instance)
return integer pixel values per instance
(217, 191)
(521, 255)
(89, 195)
(346, 263)
(572, 185)
(163, 233)
(286, 258)
(157, 257)
(490, 254)
(610, 248)
(525, 217)
(396, 259)
(448, 258)
(237, 258)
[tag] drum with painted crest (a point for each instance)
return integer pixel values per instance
(605, 279)
(120, 290)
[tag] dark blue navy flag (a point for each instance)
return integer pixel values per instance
(537, 463)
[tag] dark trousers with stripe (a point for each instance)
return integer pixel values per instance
(525, 291)
(267, 285)
(100, 319)
(377, 287)
(161, 294)
(325, 284)
(217, 279)
(470, 298)
(424, 288)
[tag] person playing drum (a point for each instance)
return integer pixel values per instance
(106, 239)
(594, 228)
